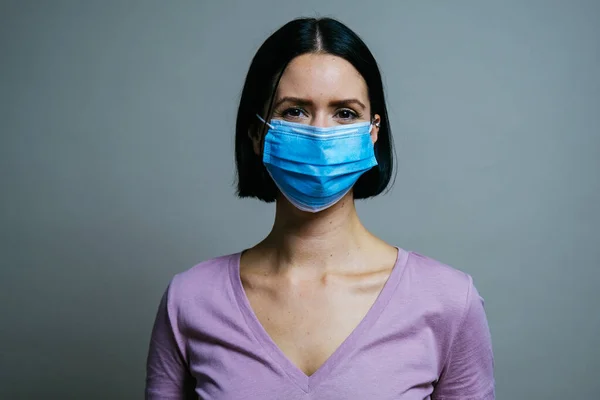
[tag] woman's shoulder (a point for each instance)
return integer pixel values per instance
(432, 270)
(445, 302)
(204, 278)
(438, 284)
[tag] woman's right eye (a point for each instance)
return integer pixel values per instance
(293, 112)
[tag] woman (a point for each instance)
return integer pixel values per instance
(321, 308)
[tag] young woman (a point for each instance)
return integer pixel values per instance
(321, 308)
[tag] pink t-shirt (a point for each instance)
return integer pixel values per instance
(425, 337)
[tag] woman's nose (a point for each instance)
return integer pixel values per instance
(320, 120)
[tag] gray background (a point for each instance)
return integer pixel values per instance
(116, 163)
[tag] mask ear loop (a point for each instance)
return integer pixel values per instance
(377, 125)
(264, 122)
(262, 141)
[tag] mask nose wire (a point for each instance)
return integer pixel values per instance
(271, 126)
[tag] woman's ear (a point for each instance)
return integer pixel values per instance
(376, 123)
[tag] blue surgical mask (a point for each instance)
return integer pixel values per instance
(315, 167)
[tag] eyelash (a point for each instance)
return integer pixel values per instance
(353, 114)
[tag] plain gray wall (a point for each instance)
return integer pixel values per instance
(117, 121)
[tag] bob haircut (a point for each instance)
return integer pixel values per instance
(297, 37)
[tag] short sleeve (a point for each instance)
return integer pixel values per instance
(468, 373)
(167, 373)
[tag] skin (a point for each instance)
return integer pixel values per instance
(316, 275)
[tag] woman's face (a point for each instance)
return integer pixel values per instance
(322, 90)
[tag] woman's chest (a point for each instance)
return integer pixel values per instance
(379, 360)
(309, 331)
(309, 323)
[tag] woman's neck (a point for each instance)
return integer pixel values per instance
(325, 241)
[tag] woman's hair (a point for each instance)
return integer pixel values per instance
(297, 37)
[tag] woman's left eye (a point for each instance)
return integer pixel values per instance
(346, 114)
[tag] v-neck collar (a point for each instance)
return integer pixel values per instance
(306, 382)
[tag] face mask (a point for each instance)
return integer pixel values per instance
(315, 167)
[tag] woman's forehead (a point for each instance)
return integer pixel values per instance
(321, 76)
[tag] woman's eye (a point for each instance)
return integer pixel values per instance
(346, 114)
(293, 112)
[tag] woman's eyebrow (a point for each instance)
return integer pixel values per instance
(296, 100)
(305, 102)
(347, 102)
